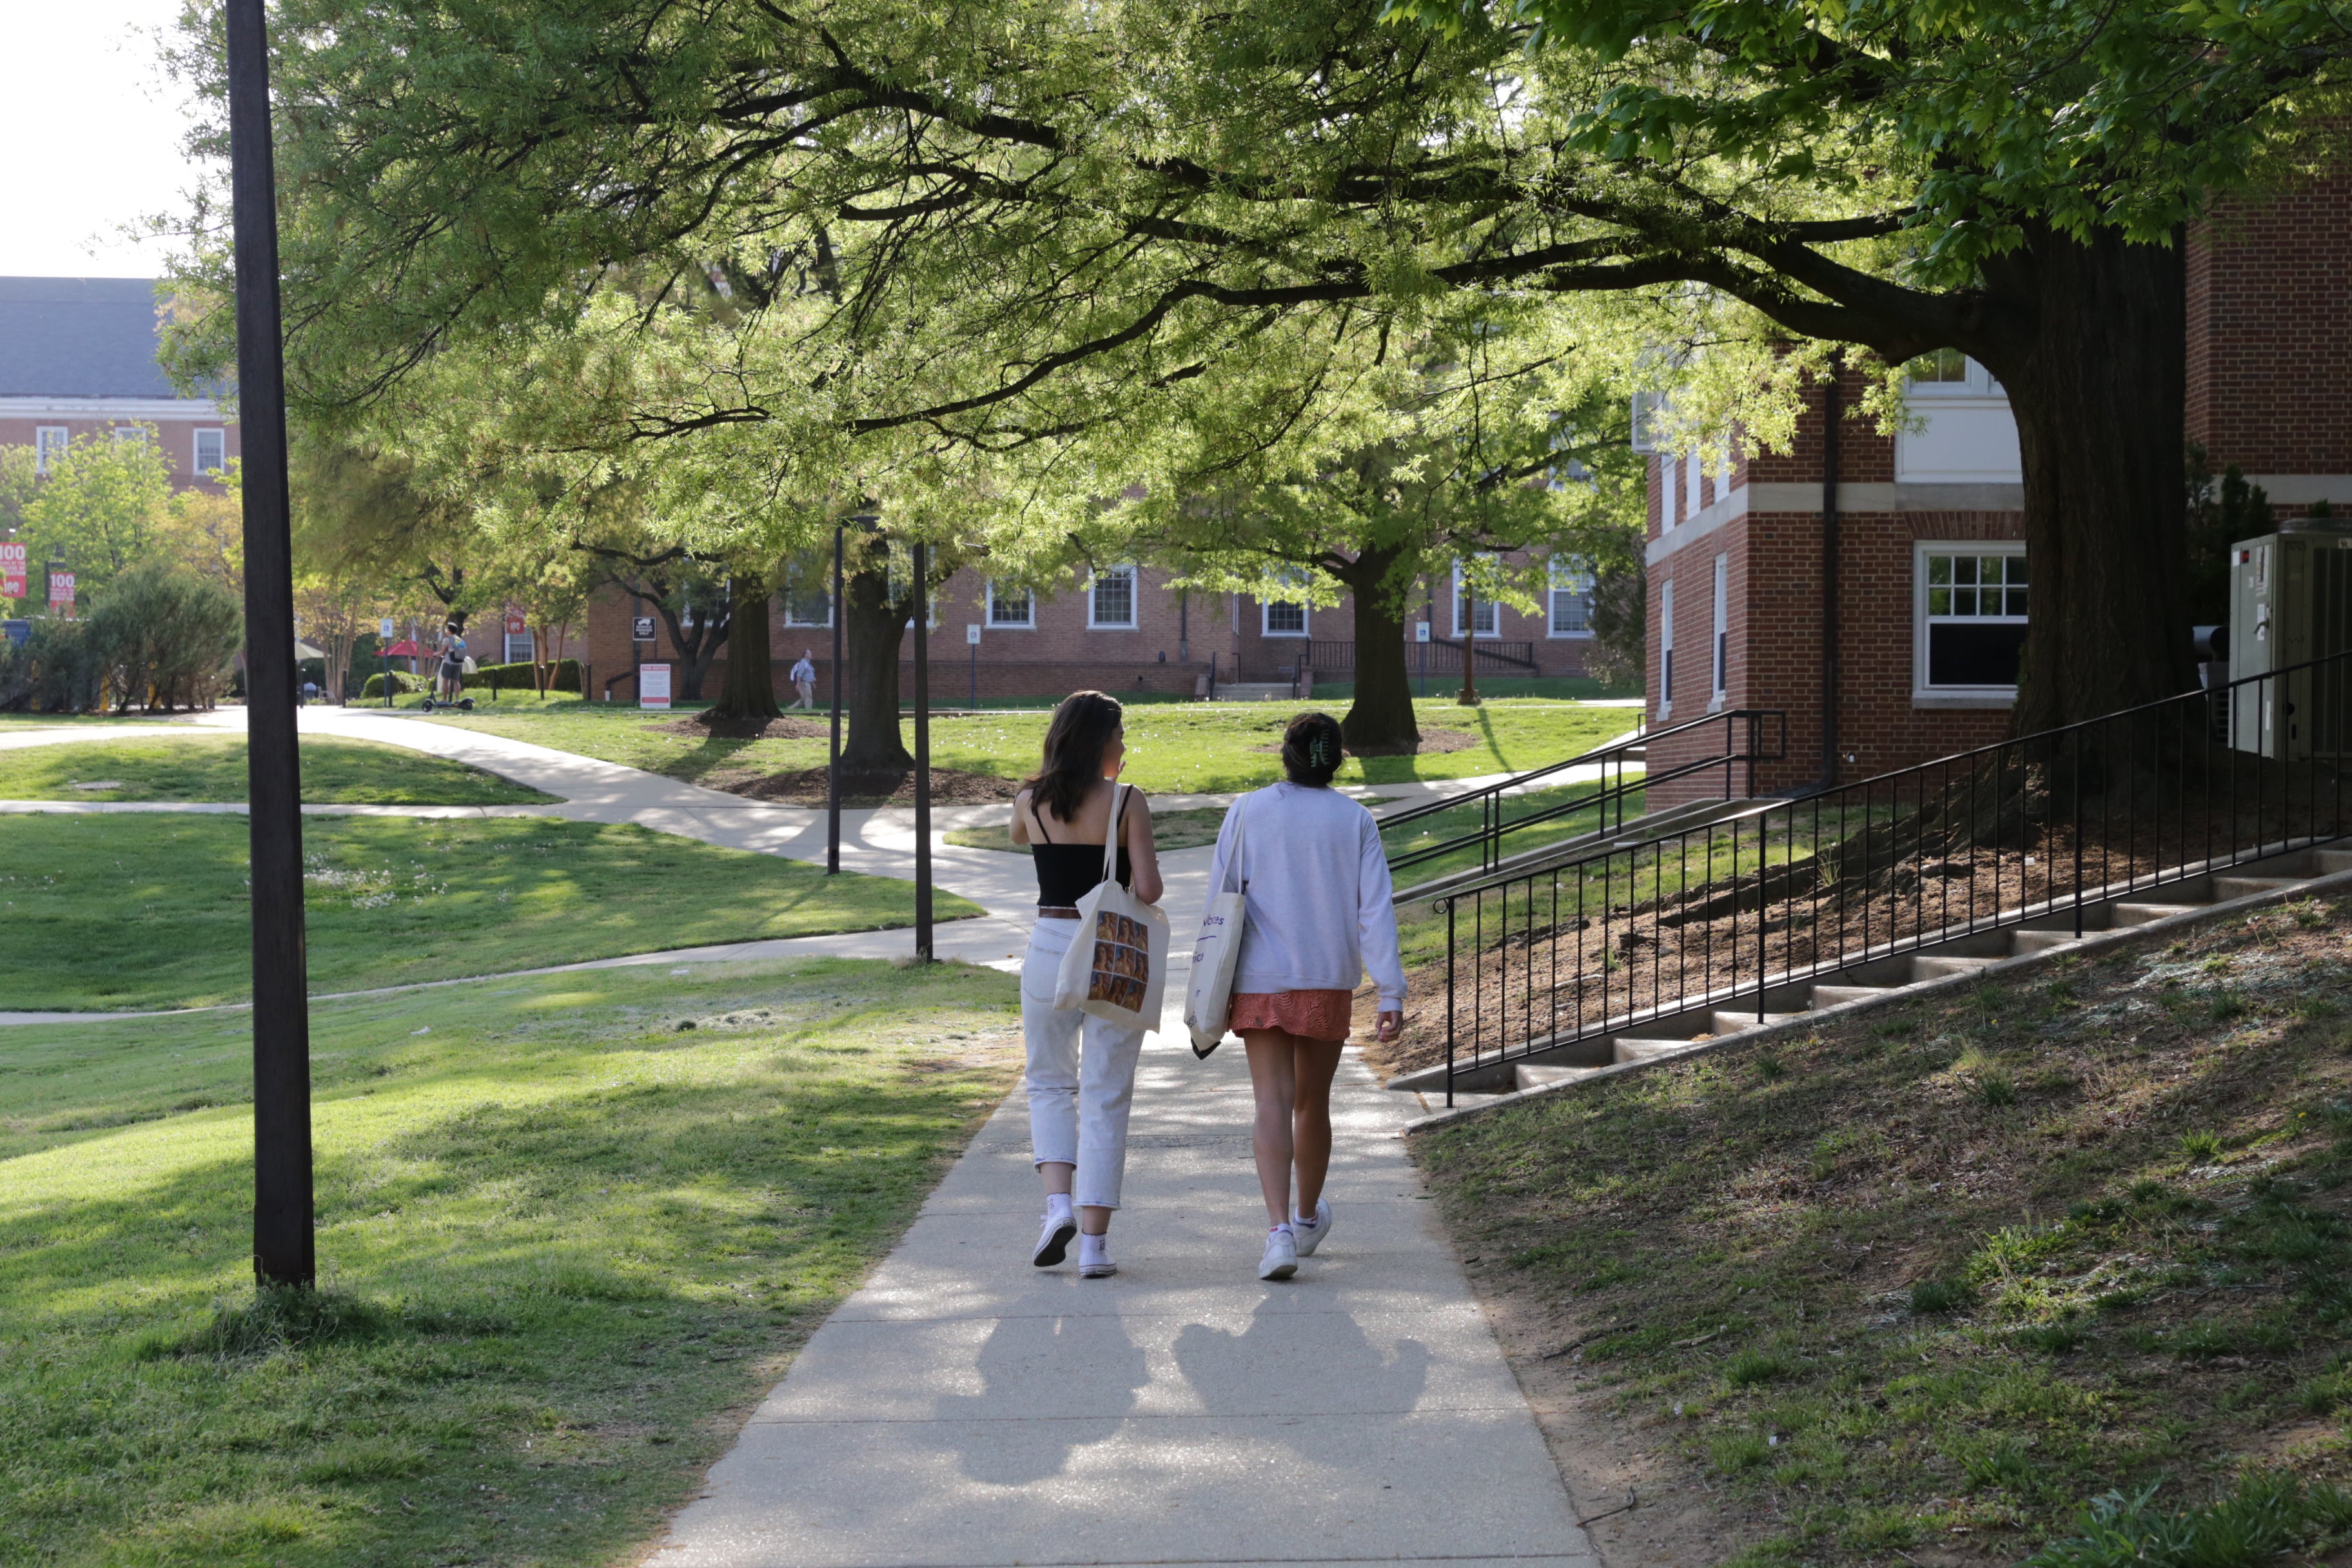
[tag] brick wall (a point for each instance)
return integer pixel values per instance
(175, 434)
(2270, 330)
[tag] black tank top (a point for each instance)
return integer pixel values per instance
(1068, 872)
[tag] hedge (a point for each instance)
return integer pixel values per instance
(402, 684)
(524, 676)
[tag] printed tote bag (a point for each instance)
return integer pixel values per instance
(1208, 998)
(1117, 965)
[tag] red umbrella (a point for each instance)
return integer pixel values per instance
(404, 649)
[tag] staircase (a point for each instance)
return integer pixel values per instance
(1683, 1032)
(1664, 936)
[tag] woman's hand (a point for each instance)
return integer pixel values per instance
(1390, 1025)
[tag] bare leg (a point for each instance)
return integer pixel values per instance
(1273, 1063)
(1317, 1064)
(1093, 1219)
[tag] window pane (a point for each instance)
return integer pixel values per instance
(1115, 599)
(2016, 568)
(1939, 569)
(1964, 601)
(1989, 568)
(1964, 568)
(1974, 655)
(2017, 600)
(1940, 601)
(1285, 620)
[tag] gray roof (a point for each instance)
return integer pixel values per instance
(79, 337)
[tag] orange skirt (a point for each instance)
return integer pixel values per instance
(1309, 1015)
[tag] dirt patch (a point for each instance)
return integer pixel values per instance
(894, 787)
(1433, 742)
(703, 725)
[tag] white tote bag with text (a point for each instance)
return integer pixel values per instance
(1116, 966)
(1208, 998)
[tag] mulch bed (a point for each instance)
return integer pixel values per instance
(703, 725)
(895, 786)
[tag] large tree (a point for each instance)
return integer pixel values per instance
(1032, 219)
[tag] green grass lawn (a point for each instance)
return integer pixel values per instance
(205, 767)
(1170, 830)
(564, 1244)
(153, 910)
(1172, 748)
(1916, 1288)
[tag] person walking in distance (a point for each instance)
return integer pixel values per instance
(452, 653)
(1316, 891)
(1081, 1069)
(804, 680)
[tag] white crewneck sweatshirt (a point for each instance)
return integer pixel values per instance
(1317, 893)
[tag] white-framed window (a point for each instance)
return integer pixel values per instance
(1665, 648)
(1693, 466)
(1110, 600)
(49, 444)
(1667, 469)
(1948, 373)
(1011, 608)
(212, 451)
(1480, 609)
(808, 593)
(519, 648)
(1969, 604)
(1722, 641)
(1284, 617)
(1571, 596)
(137, 433)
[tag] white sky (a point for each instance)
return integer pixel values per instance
(83, 101)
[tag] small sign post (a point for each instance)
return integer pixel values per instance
(12, 571)
(972, 638)
(653, 686)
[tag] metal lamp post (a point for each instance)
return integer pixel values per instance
(922, 754)
(284, 1249)
(833, 757)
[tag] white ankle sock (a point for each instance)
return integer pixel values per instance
(1057, 1206)
(1307, 1220)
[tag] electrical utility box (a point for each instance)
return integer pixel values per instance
(2291, 603)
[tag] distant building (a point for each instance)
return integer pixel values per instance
(78, 357)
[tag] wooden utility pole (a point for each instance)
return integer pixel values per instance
(922, 754)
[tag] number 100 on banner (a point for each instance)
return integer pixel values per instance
(12, 571)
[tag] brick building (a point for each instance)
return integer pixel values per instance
(77, 358)
(1931, 575)
(1125, 630)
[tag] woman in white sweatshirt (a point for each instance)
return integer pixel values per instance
(1315, 890)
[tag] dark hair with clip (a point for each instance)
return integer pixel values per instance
(1311, 750)
(1074, 742)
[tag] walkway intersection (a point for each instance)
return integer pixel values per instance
(965, 1409)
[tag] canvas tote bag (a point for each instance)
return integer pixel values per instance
(1208, 998)
(1117, 965)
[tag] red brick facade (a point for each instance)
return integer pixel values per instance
(172, 422)
(1177, 642)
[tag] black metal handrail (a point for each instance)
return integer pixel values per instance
(2035, 829)
(1744, 732)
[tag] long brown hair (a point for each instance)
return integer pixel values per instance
(1082, 730)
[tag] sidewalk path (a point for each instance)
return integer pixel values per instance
(966, 1409)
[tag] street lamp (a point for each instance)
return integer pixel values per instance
(922, 754)
(284, 1246)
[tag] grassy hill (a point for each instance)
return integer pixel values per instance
(1921, 1289)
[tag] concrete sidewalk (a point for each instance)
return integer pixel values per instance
(966, 1409)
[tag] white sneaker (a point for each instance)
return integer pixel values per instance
(1281, 1260)
(1054, 1241)
(1310, 1233)
(1094, 1258)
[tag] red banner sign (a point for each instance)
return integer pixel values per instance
(61, 587)
(516, 623)
(12, 571)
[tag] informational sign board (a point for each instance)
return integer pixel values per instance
(971, 633)
(644, 631)
(383, 630)
(653, 686)
(1421, 631)
(61, 590)
(12, 571)
(517, 622)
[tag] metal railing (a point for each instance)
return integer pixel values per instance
(1744, 735)
(2037, 829)
(1436, 657)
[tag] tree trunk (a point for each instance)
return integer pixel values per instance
(1379, 723)
(877, 626)
(748, 691)
(2097, 378)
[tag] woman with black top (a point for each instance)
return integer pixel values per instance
(1081, 1077)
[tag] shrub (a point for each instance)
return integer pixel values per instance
(402, 684)
(51, 672)
(161, 637)
(525, 677)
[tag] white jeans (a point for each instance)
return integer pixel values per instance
(1078, 1098)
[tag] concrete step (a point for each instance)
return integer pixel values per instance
(2228, 887)
(1931, 966)
(2141, 914)
(1254, 691)
(2327, 862)
(2025, 941)
(1536, 1075)
(1632, 1051)
(1731, 1020)
(1832, 995)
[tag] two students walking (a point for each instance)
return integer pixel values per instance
(1316, 894)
